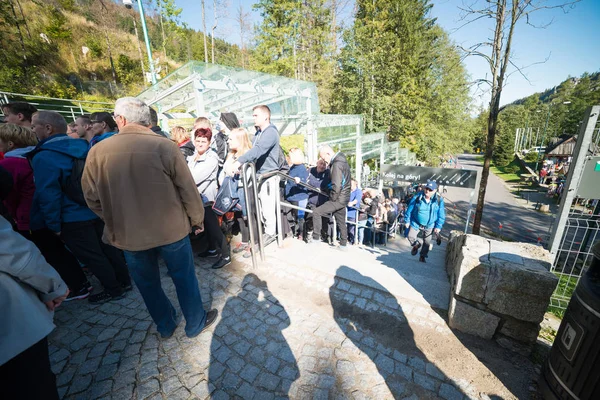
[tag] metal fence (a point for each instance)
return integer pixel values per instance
(68, 108)
(577, 226)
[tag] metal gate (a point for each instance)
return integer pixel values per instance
(577, 226)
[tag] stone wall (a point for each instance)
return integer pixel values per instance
(499, 290)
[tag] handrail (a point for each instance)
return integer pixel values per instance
(249, 176)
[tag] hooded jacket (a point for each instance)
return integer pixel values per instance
(341, 185)
(18, 202)
(26, 281)
(52, 161)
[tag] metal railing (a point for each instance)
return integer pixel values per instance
(68, 108)
(252, 183)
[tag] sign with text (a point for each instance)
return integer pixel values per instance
(395, 175)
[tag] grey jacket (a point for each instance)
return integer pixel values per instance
(205, 172)
(26, 281)
(265, 151)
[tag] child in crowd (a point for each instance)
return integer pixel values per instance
(295, 193)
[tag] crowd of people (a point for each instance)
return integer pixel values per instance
(111, 193)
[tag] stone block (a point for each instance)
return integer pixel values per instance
(522, 289)
(471, 320)
(520, 330)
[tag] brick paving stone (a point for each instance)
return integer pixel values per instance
(147, 389)
(223, 354)
(59, 355)
(230, 381)
(216, 370)
(65, 377)
(361, 303)
(58, 367)
(132, 349)
(399, 356)
(417, 363)
(80, 343)
(202, 390)
(434, 371)
(80, 383)
(79, 357)
(425, 381)
(118, 345)
(267, 381)
(123, 393)
(230, 339)
(128, 363)
(257, 356)
(170, 385)
(111, 358)
(249, 373)
(98, 350)
(343, 286)
(100, 389)
(449, 392)
(272, 364)
(107, 334)
(242, 347)
(404, 371)
(137, 337)
(89, 366)
(106, 372)
(126, 378)
(180, 394)
(245, 391)
(235, 364)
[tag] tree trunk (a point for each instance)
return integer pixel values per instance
(112, 64)
(137, 40)
(204, 33)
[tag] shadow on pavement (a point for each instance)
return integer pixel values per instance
(249, 354)
(405, 368)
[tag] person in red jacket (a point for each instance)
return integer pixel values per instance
(16, 141)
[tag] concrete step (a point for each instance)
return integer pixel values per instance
(391, 267)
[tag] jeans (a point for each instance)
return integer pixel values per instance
(179, 258)
(361, 231)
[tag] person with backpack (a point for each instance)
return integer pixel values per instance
(425, 211)
(58, 204)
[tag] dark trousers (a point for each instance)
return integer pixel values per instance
(28, 375)
(339, 213)
(84, 239)
(351, 229)
(57, 255)
(216, 239)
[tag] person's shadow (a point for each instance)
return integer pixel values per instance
(249, 354)
(405, 368)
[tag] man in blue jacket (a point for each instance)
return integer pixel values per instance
(426, 210)
(76, 225)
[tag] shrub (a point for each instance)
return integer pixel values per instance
(531, 156)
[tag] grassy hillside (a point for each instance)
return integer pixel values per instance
(42, 47)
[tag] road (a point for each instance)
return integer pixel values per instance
(502, 214)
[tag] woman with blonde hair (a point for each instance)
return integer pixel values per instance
(239, 144)
(183, 139)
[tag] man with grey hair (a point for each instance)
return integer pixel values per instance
(139, 184)
(57, 209)
(339, 195)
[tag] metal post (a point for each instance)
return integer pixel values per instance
(381, 161)
(199, 97)
(359, 160)
(584, 139)
(469, 210)
(248, 179)
(278, 212)
(147, 40)
(543, 136)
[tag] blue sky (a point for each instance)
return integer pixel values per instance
(570, 43)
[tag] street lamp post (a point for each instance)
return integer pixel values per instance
(546, 128)
(129, 4)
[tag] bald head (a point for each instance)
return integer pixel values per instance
(47, 123)
(326, 153)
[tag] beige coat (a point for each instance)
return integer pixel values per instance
(141, 186)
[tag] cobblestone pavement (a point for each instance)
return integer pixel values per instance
(280, 334)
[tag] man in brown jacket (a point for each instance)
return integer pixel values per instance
(142, 188)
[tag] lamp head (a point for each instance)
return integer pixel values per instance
(128, 3)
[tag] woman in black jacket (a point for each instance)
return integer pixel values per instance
(180, 136)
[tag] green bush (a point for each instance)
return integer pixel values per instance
(532, 156)
(512, 169)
